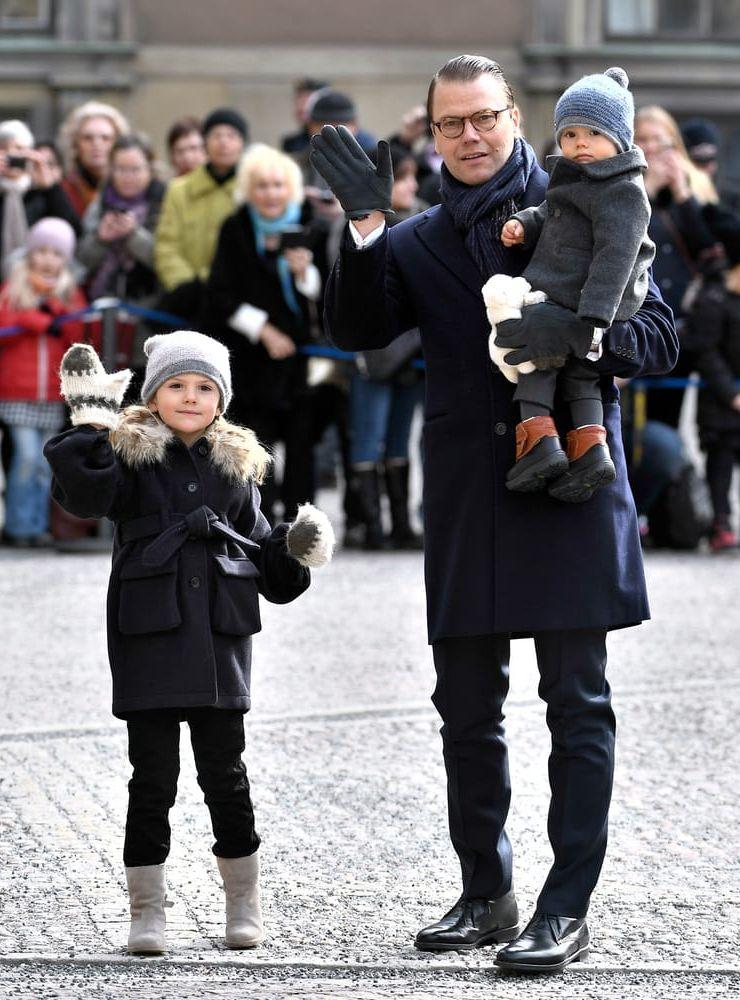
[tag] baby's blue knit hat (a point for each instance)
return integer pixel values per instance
(601, 101)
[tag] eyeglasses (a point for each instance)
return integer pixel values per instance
(482, 121)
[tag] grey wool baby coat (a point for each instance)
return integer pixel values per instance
(592, 250)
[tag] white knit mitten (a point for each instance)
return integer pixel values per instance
(311, 537)
(93, 396)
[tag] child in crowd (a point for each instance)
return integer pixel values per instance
(191, 553)
(591, 255)
(39, 289)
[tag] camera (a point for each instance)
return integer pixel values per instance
(17, 162)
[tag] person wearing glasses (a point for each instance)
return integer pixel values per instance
(498, 566)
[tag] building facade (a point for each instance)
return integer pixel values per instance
(159, 60)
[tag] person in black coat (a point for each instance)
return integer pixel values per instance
(261, 298)
(191, 553)
(715, 324)
(498, 565)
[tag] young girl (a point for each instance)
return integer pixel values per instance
(40, 288)
(191, 553)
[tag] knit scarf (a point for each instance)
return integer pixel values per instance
(479, 211)
(118, 261)
(267, 227)
(15, 221)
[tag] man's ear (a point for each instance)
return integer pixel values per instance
(516, 119)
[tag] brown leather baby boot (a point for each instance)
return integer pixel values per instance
(590, 465)
(539, 456)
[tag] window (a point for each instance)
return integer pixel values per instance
(673, 19)
(25, 15)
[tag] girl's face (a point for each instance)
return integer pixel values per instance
(188, 404)
(46, 264)
(269, 193)
(130, 172)
(93, 143)
(653, 139)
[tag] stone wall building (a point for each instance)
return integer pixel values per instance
(158, 60)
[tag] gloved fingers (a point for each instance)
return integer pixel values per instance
(321, 163)
(509, 333)
(546, 364)
(117, 383)
(385, 165)
(517, 356)
(352, 146)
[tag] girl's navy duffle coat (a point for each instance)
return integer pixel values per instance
(191, 553)
(496, 561)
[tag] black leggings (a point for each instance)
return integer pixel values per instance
(722, 457)
(217, 737)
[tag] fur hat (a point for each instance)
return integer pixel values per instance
(54, 233)
(332, 107)
(601, 101)
(170, 354)
(226, 116)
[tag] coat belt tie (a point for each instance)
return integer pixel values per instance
(201, 523)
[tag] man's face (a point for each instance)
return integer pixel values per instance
(224, 146)
(474, 157)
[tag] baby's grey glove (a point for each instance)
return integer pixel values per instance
(360, 186)
(93, 396)
(546, 330)
(311, 538)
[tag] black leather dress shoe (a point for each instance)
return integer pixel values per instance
(547, 944)
(472, 923)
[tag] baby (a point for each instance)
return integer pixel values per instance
(591, 257)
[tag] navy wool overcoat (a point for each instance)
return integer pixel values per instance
(496, 561)
(191, 554)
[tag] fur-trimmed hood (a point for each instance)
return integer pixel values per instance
(142, 439)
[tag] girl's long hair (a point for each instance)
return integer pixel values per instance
(20, 294)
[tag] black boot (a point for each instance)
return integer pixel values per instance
(397, 484)
(366, 484)
(547, 944)
(472, 923)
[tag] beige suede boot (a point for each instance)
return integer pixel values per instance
(243, 910)
(146, 890)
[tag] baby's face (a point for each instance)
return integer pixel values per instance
(585, 145)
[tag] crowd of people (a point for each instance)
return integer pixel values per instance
(237, 239)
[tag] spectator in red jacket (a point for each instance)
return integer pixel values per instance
(39, 290)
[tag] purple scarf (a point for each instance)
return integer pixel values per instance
(479, 211)
(117, 259)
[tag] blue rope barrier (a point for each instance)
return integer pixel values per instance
(311, 350)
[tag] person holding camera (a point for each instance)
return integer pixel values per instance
(261, 300)
(29, 190)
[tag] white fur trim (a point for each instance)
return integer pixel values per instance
(504, 297)
(322, 549)
(142, 439)
(248, 320)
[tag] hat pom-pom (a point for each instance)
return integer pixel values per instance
(619, 76)
(151, 342)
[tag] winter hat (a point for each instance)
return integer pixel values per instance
(226, 116)
(601, 101)
(54, 233)
(701, 139)
(332, 107)
(170, 354)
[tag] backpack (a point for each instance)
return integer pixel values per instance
(682, 514)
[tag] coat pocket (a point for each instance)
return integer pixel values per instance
(236, 601)
(148, 598)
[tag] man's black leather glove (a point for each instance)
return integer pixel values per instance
(546, 330)
(350, 173)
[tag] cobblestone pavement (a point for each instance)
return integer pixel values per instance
(344, 757)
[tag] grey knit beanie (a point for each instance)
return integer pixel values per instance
(170, 354)
(601, 101)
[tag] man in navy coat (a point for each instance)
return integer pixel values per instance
(498, 565)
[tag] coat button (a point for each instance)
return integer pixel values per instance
(500, 428)
(191, 487)
(202, 449)
(194, 582)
